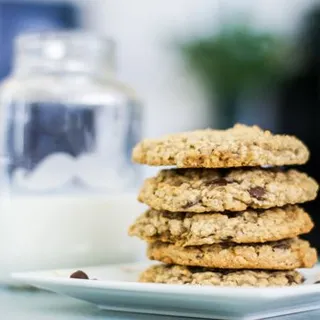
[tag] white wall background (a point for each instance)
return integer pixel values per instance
(143, 29)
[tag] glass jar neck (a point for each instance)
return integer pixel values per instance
(64, 53)
(24, 66)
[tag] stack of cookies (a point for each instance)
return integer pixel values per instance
(228, 214)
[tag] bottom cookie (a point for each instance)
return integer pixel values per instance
(174, 274)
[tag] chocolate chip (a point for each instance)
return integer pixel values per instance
(317, 282)
(232, 214)
(217, 182)
(291, 278)
(177, 183)
(226, 245)
(224, 272)
(281, 245)
(173, 215)
(202, 269)
(196, 269)
(259, 211)
(190, 204)
(257, 192)
(79, 275)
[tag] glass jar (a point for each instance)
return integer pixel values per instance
(68, 128)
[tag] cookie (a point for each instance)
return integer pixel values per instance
(204, 190)
(236, 147)
(282, 255)
(173, 274)
(251, 226)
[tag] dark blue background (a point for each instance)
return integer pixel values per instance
(18, 17)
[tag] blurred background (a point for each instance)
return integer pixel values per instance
(204, 63)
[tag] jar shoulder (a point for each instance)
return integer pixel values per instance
(65, 88)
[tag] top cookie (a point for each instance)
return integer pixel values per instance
(236, 147)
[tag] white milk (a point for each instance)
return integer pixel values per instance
(45, 232)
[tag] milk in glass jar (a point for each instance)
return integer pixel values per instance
(67, 131)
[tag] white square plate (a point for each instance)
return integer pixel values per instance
(116, 289)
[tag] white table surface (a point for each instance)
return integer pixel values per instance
(39, 305)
